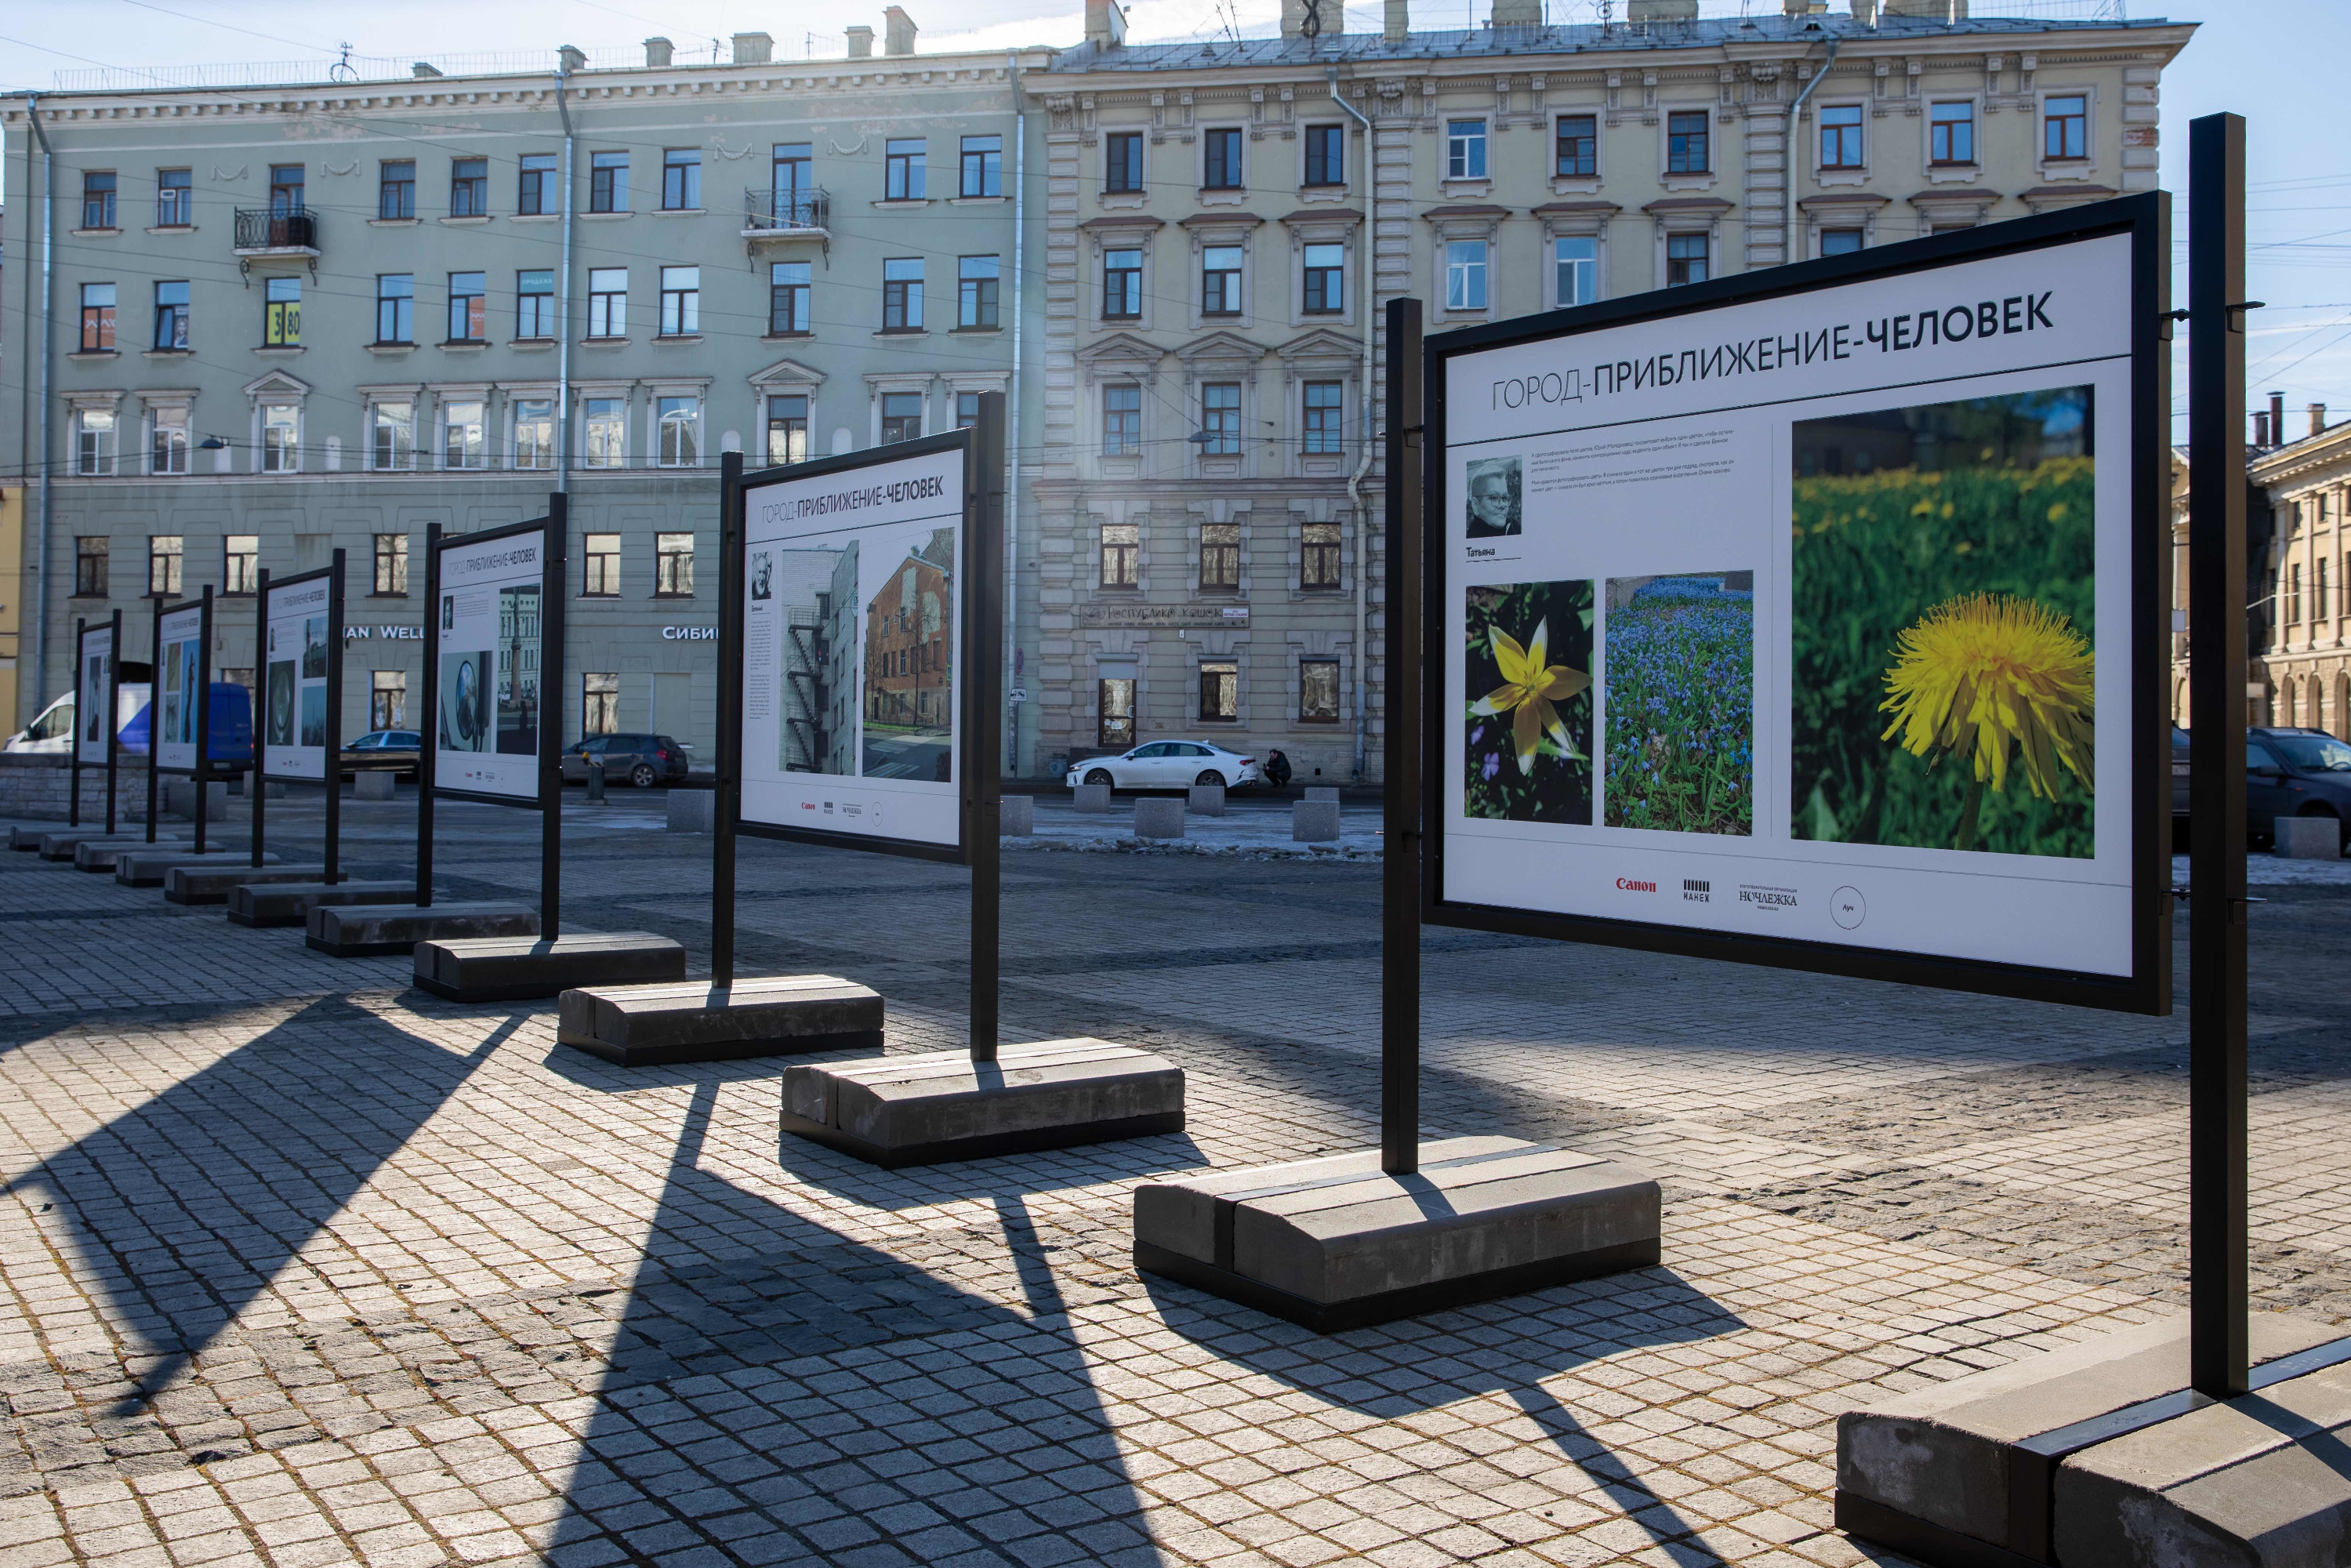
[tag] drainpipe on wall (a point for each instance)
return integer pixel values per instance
(1788, 197)
(1012, 426)
(563, 292)
(1363, 464)
(41, 534)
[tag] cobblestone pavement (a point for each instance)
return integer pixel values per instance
(301, 1267)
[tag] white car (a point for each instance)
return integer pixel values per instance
(1168, 765)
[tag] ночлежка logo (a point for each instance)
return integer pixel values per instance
(1767, 897)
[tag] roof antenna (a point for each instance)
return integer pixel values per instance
(343, 69)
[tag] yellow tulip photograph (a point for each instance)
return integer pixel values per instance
(1530, 703)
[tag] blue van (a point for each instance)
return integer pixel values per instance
(231, 747)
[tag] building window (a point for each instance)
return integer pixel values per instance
(606, 419)
(983, 166)
(602, 554)
(788, 298)
(607, 302)
(1326, 155)
(93, 443)
(391, 436)
(1575, 262)
(167, 449)
(1840, 241)
(1464, 149)
(681, 301)
(677, 429)
(1122, 552)
(1686, 259)
(902, 416)
(1122, 163)
(96, 318)
(600, 704)
(1841, 136)
(976, 282)
(1220, 419)
(281, 319)
(1318, 564)
(1122, 285)
(395, 189)
(1576, 150)
(1951, 133)
(462, 443)
(1325, 417)
(680, 180)
(2294, 595)
(1686, 149)
(673, 566)
(240, 563)
(534, 433)
(1122, 421)
(1221, 556)
(1318, 691)
(1114, 703)
(535, 305)
(175, 205)
(1220, 689)
(1220, 168)
(1465, 275)
(902, 294)
(285, 190)
(1221, 280)
(788, 429)
(789, 181)
(538, 194)
(966, 411)
(608, 182)
(391, 569)
(281, 438)
(395, 308)
(1326, 274)
(469, 187)
(164, 555)
(96, 199)
(2066, 126)
(901, 178)
(469, 307)
(172, 314)
(388, 699)
(91, 559)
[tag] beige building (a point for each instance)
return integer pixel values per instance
(1202, 554)
(2303, 673)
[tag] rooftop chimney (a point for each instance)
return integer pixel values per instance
(861, 43)
(1105, 23)
(1865, 12)
(2277, 417)
(1396, 25)
(2318, 419)
(569, 59)
(2261, 428)
(754, 49)
(897, 32)
(419, 70)
(1518, 13)
(1642, 12)
(657, 53)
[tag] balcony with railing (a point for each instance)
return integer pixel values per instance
(786, 215)
(263, 233)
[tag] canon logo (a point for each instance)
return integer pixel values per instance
(1624, 884)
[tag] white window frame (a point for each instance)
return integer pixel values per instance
(97, 450)
(516, 399)
(1551, 264)
(449, 404)
(167, 415)
(261, 428)
(589, 399)
(1464, 147)
(379, 424)
(662, 423)
(613, 318)
(1481, 268)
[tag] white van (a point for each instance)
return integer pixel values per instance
(53, 731)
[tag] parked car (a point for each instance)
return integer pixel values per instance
(379, 749)
(53, 731)
(1168, 765)
(229, 751)
(643, 760)
(2296, 773)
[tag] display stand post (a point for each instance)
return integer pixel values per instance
(154, 707)
(983, 751)
(428, 735)
(260, 718)
(553, 585)
(73, 747)
(114, 717)
(730, 802)
(334, 723)
(203, 700)
(1400, 870)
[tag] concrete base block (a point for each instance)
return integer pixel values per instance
(290, 903)
(180, 799)
(1019, 816)
(693, 810)
(380, 930)
(1948, 1474)
(2306, 839)
(694, 1020)
(921, 1109)
(1334, 1243)
(1314, 821)
(374, 784)
(210, 883)
(515, 969)
(1091, 797)
(60, 844)
(274, 789)
(143, 867)
(1323, 792)
(1158, 817)
(1207, 799)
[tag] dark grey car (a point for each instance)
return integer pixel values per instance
(2296, 773)
(643, 760)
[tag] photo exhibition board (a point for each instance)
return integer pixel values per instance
(295, 668)
(1805, 618)
(486, 714)
(94, 681)
(180, 668)
(853, 607)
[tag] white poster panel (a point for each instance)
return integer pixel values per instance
(179, 681)
(294, 666)
(851, 689)
(1806, 617)
(93, 699)
(486, 714)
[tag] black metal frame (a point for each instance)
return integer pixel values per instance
(333, 779)
(201, 771)
(82, 629)
(2148, 989)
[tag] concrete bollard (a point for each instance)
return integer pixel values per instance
(1158, 817)
(2307, 839)
(1314, 821)
(595, 783)
(274, 789)
(372, 784)
(1092, 797)
(180, 800)
(1320, 792)
(1208, 799)
(693, 810)
(1018, 817)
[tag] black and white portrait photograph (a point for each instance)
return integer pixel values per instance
(1493, 496)
(763, 574)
